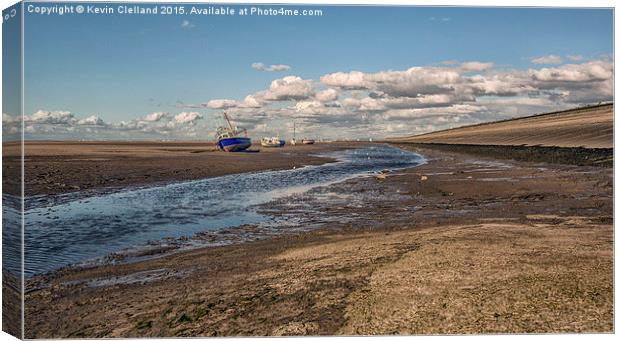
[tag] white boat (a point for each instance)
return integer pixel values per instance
(274, 141)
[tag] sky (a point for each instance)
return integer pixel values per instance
(352, 72)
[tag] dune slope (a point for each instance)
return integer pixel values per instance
(589, 127)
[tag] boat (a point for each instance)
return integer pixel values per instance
(293, 140)
(307, 141)
(231, 138)
(272, 142)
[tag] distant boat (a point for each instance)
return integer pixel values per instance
(307, 141)
(272, 142)
(293, 140)
(229, 138)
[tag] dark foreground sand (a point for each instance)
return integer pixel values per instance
(463, 244)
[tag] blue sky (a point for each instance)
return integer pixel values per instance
(124, 67)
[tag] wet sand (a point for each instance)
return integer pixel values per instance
(62, 167)
(463, 244)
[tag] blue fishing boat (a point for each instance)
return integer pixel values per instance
(230, 139)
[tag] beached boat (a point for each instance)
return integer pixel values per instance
(272, 142)
(307, 141)
(231, 138)
(294, 139)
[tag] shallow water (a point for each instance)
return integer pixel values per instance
(59, 233)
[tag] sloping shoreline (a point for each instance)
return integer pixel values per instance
(586, 127)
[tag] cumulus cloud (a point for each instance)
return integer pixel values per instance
(251, 101)
(51, 117)
(271, 68)
(412, 82)
(10, 119)
(155, 116)
(353, 80)
(187, 117)
(328, 95)
(44, 124)
(289, 88)
(221, 104)
(92, 120)
(550, 59)
(587, 72)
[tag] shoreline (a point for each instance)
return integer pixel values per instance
(68, 167)
(423, 210)
(580, 156)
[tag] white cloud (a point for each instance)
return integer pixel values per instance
(575, 58)
(187, 24)
(271, 68)
(51, 117)
(187, 117)
(92, 121)
(251, 101)
(289, 88)
(10, 119)
(476, 66)
(328, 95)
(222, 104)
(412, 82)
(586, 72)
(353, 80)
(550, 59)
(310, 107)
(155, 116)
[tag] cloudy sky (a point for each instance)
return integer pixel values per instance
(354, 72)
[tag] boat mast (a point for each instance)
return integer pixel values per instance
(228, 120)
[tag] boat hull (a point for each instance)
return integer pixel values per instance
(234, 144)
(281, 143)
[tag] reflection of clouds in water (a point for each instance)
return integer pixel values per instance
(11, 236)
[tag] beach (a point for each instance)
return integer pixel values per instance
(588, 126)
(53, 167)
(464, 243)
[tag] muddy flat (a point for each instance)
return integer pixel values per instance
(53, 167)
(590, 127)
(462, 244)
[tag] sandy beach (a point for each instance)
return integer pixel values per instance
(590, 127)
(53, 167)
(463, 244)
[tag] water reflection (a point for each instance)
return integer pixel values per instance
(73, 231)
